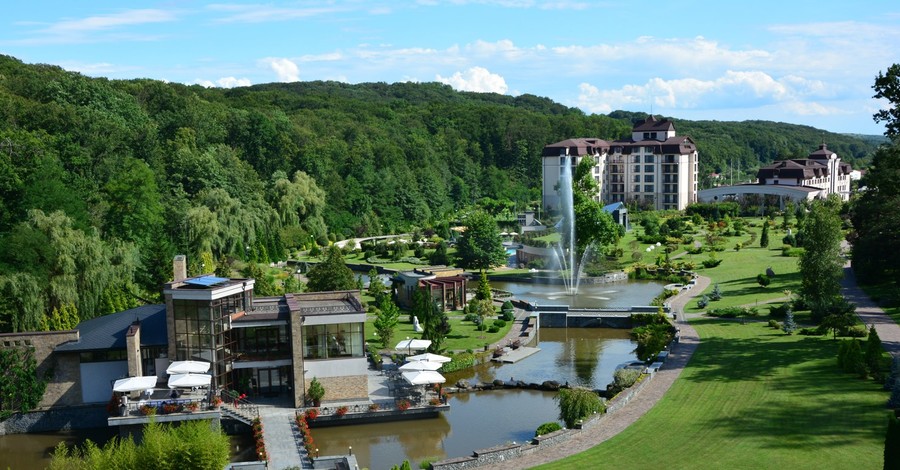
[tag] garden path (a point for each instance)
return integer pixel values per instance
(617, 422)
(870, 313)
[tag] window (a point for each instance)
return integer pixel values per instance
(636, 158)
(648, 168)
(637, 168)
(648, 149)
(562, 161)
(648, 158)
(331, 341)
(648, 178)
(637, 188)
(648, 188)
(637, 178)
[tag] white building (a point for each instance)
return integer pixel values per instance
(655, 168)
(821, 170)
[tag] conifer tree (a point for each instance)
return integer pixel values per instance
(764, 238)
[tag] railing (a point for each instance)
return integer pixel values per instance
(163, 406)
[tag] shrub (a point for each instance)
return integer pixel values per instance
(547, 428)
(779, 311)
(791, 252)
(316, 391)
(578, 403)
(493, 329)
(789, 325)
(703, 302)
(810, 332)
(855, 331)
(763, 280)
(624, 378)
(774, 324)
(711, 262)
(733, 312)
(716, 293)
(499, 323)
(459, 361)
(507, 315)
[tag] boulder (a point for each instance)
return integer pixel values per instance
(499, 383)
(550, 386)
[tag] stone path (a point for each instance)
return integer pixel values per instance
(282, 438)
(634, 409)
(870, 313)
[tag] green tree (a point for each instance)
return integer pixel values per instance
(482, 309)
(484, 288)
(440, 257)
(577, 404)
(20, 387)
(386, 320)
(376, 287)
(331, 274)
(480, 246)
(839, 316)
(593, 225)
(763, 280)
(821, 267)
(764, 238)
(315, 392)
(434, 321)
(892, 444)
(192, 444)
(264, 285)
(887, 86)
(874, 351)
(789, 325)
(134, 202)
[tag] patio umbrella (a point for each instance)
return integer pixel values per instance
(187, 367)
(429, 357)
(410, 344)
(133, 384)
(423, 377)
(189, 380)
(420, 365)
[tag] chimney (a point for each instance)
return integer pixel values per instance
(179, 266)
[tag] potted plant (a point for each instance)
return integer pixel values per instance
(216, 402)
(341, 411)
(312, 413)
(148, 410)
(316, 392)
(434, 401)
(193, 406)
(403, 405)
(373, 406)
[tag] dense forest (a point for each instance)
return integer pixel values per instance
(103, 181)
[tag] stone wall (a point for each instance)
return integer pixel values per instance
(351, 387)
(60, 370)
(56, 419)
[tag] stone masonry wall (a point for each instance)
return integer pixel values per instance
(60, 370)
(56, 419)
(351, 387)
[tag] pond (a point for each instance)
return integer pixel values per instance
(611, 294)
(484, 419)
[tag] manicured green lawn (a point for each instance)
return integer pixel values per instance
(736, 276)
(463, 334)
(753, 398)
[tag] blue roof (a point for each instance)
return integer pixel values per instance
(108, 331)
(206, 281)
(613, 207)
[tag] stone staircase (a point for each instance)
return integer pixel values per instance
(245, 413)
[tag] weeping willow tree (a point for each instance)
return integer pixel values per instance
(48, 264)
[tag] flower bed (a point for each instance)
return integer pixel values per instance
(260, 441)
(303, 426)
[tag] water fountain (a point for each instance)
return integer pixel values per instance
(566, 252)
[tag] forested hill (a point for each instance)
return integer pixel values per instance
(102, 181)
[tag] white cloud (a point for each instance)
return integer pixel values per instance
(224, 82)
(105, 22)
(733, 89)
(99, 28)
(285, 69)
(260, 13)
(477, 79)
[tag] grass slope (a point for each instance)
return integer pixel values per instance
(752, 397)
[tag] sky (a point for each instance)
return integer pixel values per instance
(796, 61)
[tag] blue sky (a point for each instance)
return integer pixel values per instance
(797, 61)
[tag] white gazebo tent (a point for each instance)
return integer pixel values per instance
(423, 377)
(429, 357)
(134, 384)
(410, 344)
(189, 380)
(420, 365)
(187, 367)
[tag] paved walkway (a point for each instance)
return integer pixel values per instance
(282, 438)
(634, 409)
(870, 313)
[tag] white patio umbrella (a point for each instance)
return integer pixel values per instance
(423, 377)
(189, 380)
(429, 357)
(410, 344)
(420, 365)
(133, 384)
(187, 367)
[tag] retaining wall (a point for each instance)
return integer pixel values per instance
(56, 419)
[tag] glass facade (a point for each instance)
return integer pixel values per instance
(262, 343)
(331, 341)
(202, 332)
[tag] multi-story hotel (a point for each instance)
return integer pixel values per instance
(655, 168)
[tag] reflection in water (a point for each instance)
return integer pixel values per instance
(579, 356)
(477, 420)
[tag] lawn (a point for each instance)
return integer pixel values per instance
(463, 334)
(753, 398)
